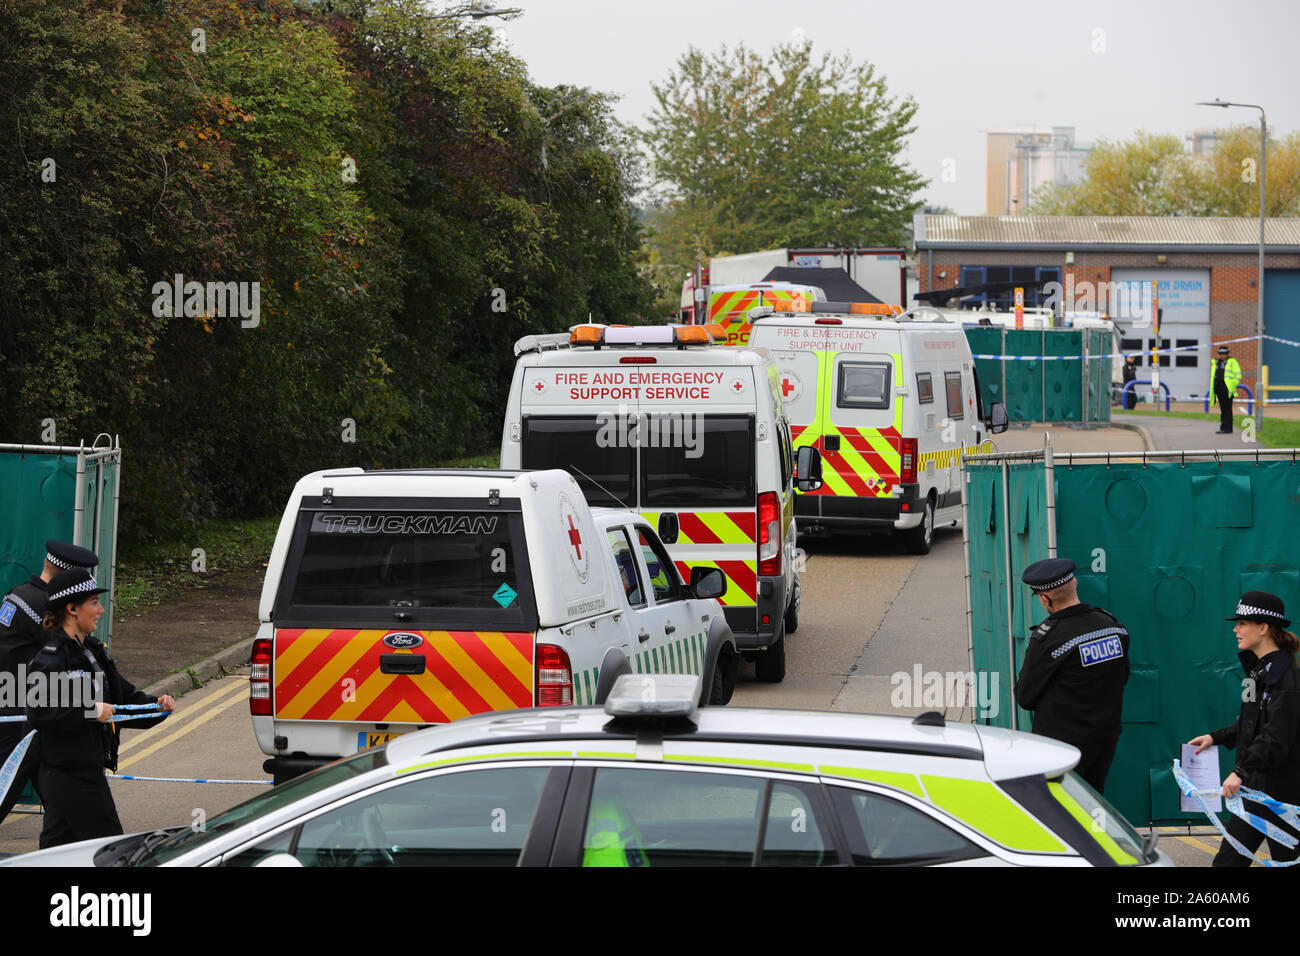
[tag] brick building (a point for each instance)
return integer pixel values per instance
(1206, 270)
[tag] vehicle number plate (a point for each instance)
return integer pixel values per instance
(366, 740)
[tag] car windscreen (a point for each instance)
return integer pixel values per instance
(709, 463)
(268, 801)
(592, 448)
(431, 562)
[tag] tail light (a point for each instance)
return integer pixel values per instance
(554, 677)
(907, 471)
(769, 534)
(259, 678)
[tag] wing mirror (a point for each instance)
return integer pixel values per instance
(998, 419)
(808, 469)
(708, 582)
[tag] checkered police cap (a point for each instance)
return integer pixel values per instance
(72, 584)
(1260, 606)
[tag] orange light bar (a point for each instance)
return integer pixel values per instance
(717, 331)
(692, 335)
(855, 308)
(790, 305)
(587, 335)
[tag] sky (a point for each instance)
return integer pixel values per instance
(1106, 68)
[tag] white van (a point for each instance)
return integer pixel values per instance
(889, 402)
(395, 600)
(662, 420)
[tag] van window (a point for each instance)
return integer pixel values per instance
(864, 385)
(924, 388)
(715, 468)
(435, 564)
(591, 448)
(952, 380)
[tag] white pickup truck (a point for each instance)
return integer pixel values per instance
(395, 600)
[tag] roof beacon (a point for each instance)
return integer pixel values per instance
(658, 695)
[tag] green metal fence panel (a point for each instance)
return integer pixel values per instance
(1167, 547)
(37, 501)
(987, 341)
(1024, 377)
(1050, 390)
(1005, 536)
(1063, 386)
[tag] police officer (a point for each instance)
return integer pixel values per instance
(1075, 669)
(1266, 734)
(21, 636)
(1225, 374)
(77, 742)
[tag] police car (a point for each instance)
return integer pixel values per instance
(651, 779)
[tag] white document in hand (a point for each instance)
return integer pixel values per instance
(1203, 770)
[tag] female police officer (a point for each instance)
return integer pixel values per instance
(76, 740)
(1267, 733)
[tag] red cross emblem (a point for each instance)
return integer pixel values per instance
(575, 538)
(539, 386)
(786, 387)
(737, 386)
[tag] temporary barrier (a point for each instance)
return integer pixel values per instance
(68, 492)
(1165, 541)
(1044, 375)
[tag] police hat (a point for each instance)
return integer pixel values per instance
(1048, 574)
(1223, 350)
(65, 556)
(1260, 606)
(74, 585)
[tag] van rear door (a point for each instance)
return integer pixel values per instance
(399, 613)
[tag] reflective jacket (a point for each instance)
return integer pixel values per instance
(1231, 374)
(1266, 734)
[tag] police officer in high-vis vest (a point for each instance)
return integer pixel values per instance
(1225, 376)
(1074, 671)
(21, 636)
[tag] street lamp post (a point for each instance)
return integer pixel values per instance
(1259, 317)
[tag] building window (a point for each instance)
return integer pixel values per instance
(1031, 278)
(1190, 358)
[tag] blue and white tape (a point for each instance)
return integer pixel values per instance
(1139, 351)
(1234, 806)
(124, 776)
(10, 768)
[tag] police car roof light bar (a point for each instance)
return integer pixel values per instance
(654, 696)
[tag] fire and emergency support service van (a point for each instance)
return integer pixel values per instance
(395, 600)
(889, 402)
(662, 420)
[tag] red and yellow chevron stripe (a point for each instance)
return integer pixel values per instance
(742, 579)
(465, 672)
(712, 527)
(731, 309)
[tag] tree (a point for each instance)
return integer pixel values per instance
(758, 150)
(1152, 175)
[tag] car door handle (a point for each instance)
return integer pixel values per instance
(668, 627)
(643, 636)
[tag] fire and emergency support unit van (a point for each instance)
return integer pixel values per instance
(890, 403)
(395, 600)
(662, 420)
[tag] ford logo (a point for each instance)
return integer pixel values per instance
(403, 640)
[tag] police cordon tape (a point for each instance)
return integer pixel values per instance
(1139, 351)
(1285, 811)
(124, 776)
(10, 768)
